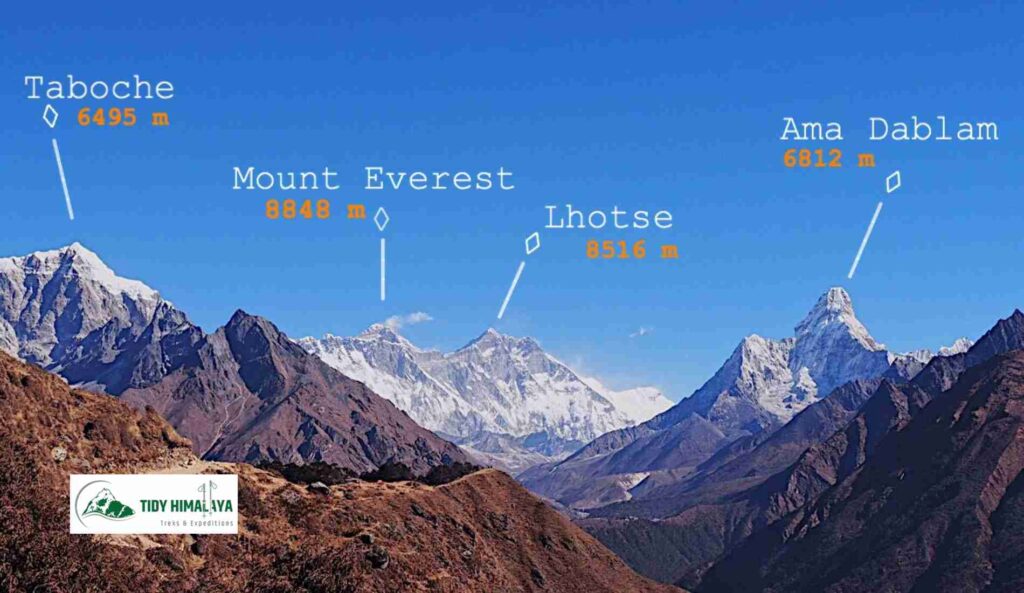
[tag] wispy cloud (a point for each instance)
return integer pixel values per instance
(643, 331)
(398, 321)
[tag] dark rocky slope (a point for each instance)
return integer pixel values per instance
(935, 508)
(759, 388)
(251, 394)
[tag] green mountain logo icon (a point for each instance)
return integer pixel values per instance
(105, 505)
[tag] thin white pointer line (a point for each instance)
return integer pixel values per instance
(864, 241)
(383, 276)
(511, 289)
(63, 181)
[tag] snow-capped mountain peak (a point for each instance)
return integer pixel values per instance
(923, 356)
(66, 310)
(494, 385)
(381, 331)
(767, 381)
(641, 403)
(959, 346)
(834, 313)
(78, 259)
(493, 338)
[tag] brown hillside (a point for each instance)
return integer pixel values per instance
(481, 533)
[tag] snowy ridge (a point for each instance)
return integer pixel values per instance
(762, 385)
(765, 382)
(959, 346)
(924, 355)
(640, 403)
(500, 395)
(43, 265)
(392, 367)
(67, 311)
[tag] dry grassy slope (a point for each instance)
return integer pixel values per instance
(481, 533)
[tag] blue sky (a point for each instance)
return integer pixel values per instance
(649, 105)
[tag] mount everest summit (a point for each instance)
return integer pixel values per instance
(501, 397)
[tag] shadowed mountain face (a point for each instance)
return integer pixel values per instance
(937, 507)
(250, 393)
(675, 529)
(66, 311)
(503, 398)
(749, 486)
(479, 534)
(244, 392)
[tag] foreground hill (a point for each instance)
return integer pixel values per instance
(481, 533)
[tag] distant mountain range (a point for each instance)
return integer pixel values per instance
(502, 398)
(922, 491)
(760, 388)
(247, 392)
(689, 522)
(817, 462)
(866, 489)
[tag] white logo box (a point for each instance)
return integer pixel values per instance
(154, 503)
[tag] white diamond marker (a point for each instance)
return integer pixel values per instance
(532, 243)
(50, 115)
(381, 218)
(892, 182)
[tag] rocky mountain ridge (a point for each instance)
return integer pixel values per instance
(936, 506)
(499, 396)
(245, 392)
(66, 311)
(674, 530)
(760, 388)
(250, 394)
